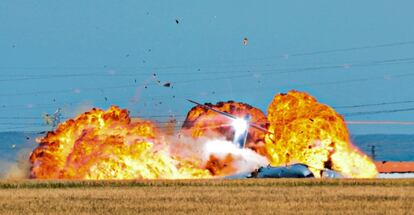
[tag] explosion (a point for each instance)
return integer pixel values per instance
(202, 122)
(306, 131)
(110, 145)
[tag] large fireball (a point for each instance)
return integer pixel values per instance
(312, 133)
(201, 122)
(108, 145)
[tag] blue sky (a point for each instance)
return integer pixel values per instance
(78, 54)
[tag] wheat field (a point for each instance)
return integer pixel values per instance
(253, 196)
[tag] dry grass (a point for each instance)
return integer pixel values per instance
(208, 197)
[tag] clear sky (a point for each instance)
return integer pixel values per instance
(78, 54)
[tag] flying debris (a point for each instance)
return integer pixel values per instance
(176, 21)
(53, 119)
(245, 41)
(164, 84)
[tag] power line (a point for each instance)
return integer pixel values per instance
(357, 48)
(377, 112)
(248, 72)
(265, 72)
(282, 56)
(374, 104)
(250, 90)
(388, 122)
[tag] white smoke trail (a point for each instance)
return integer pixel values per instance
(243, 159)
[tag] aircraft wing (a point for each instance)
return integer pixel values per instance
(229, 115)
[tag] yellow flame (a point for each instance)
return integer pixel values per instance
(107, 145)
(314, 134)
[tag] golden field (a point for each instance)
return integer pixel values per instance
(252, 196)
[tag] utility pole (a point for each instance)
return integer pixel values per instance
(373, 155)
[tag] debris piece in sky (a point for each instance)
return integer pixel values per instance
(13, 46)
(149, 50)
(164, 84)
(176, 21)
(47, 119)
(54, 100)
(13, 146)
(245, 41)
(135, 80)
(154, 76)
(106, 98)
(146, 87)
(52, 120)
(27, 138)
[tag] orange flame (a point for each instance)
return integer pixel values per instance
(207, 123)
(312, 133)
(108, 145)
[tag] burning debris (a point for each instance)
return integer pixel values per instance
(110, 145)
